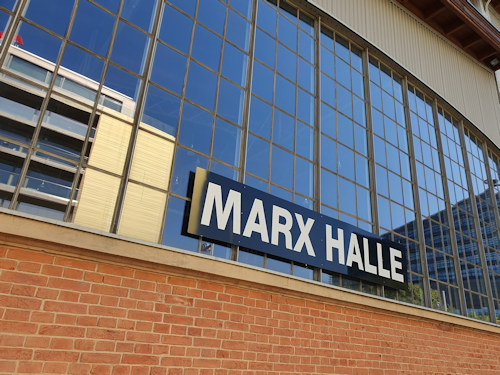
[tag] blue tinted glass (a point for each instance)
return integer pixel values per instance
(207, 47)
(287, 32)
(185, 162)
(234, 64)
(345, 127)
(267, 16)
(265, 48)
(121, 81)
(129, 48)
(256, 183)
(9, 4)
(283, 129)
(201, 86)
(242, 6)
(346, 162)
(230, 103)
(258, 156)
(362, 171)
(54, 14)
(344, 101)
(139, 12)
(174, 223)
(263, 81)
(287, 62)
(260, 118)
(169, 68)
(39, 42)
(250, 258)
(304, 145)
(305, 107)
(282, 193)
(329, 188)
(227, 142)
(343, 73)
(328, 153)
(285, 94)
(92, 28)
(379, 151)
(306, 75)
(357, 84)
(172, 22)
(347, 194)
(328, 90)
(82, 62)
(278, 265)
(358, 110)
(327, 62)
(328, 120)
(238, 30)
(161, 110)
(342, 48)
(4, 18)
(188, 6)
(360, 139)
(378, 122)
(306, 46)
(304, 177)
(112, 5)
(224, 170)
(282, 167)
(212, 13)
(196, 128)
(381, 177)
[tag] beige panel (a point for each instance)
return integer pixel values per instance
(464, 83)
(97, 199)
(142, 213)
(110, 145)
(152, 160)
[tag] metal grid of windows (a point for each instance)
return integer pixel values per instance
(260, 92)
(395, 202)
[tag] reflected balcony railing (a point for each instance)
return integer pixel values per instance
(8, 177)
(47, 187)
(18, 110)
(67, 124)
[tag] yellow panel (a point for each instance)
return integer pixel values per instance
(152, 160)
(142, 213)
(110, 145)
(97, 199)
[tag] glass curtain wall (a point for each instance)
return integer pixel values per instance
(108, 106)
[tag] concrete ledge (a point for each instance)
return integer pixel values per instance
(22, 230)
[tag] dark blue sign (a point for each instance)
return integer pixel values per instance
(227, 211)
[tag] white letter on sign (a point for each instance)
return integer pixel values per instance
(233, 204)
(257, 212)
(334, 243)
(304, 235)
(284, 228)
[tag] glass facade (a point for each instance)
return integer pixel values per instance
(107, 107)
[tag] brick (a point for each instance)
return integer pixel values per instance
(17, 327)
(55, 368)
(75, 263)
(138, 359)
(112, 280)
(23, 278)
(100, 358)
(105, 334)
(62, 283)
(29, 267)
(15, 353)
(51, 270)
(56, 355)
(110, 290)
(30, 256)
(143, 337)
(50, 330)
(79, 369)
(150, 276)
(147, 296)
(144, 315)
(107, 311)
(121, 370)
(30, 367)
(115, 270)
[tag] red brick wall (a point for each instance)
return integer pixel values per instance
(65, 315)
